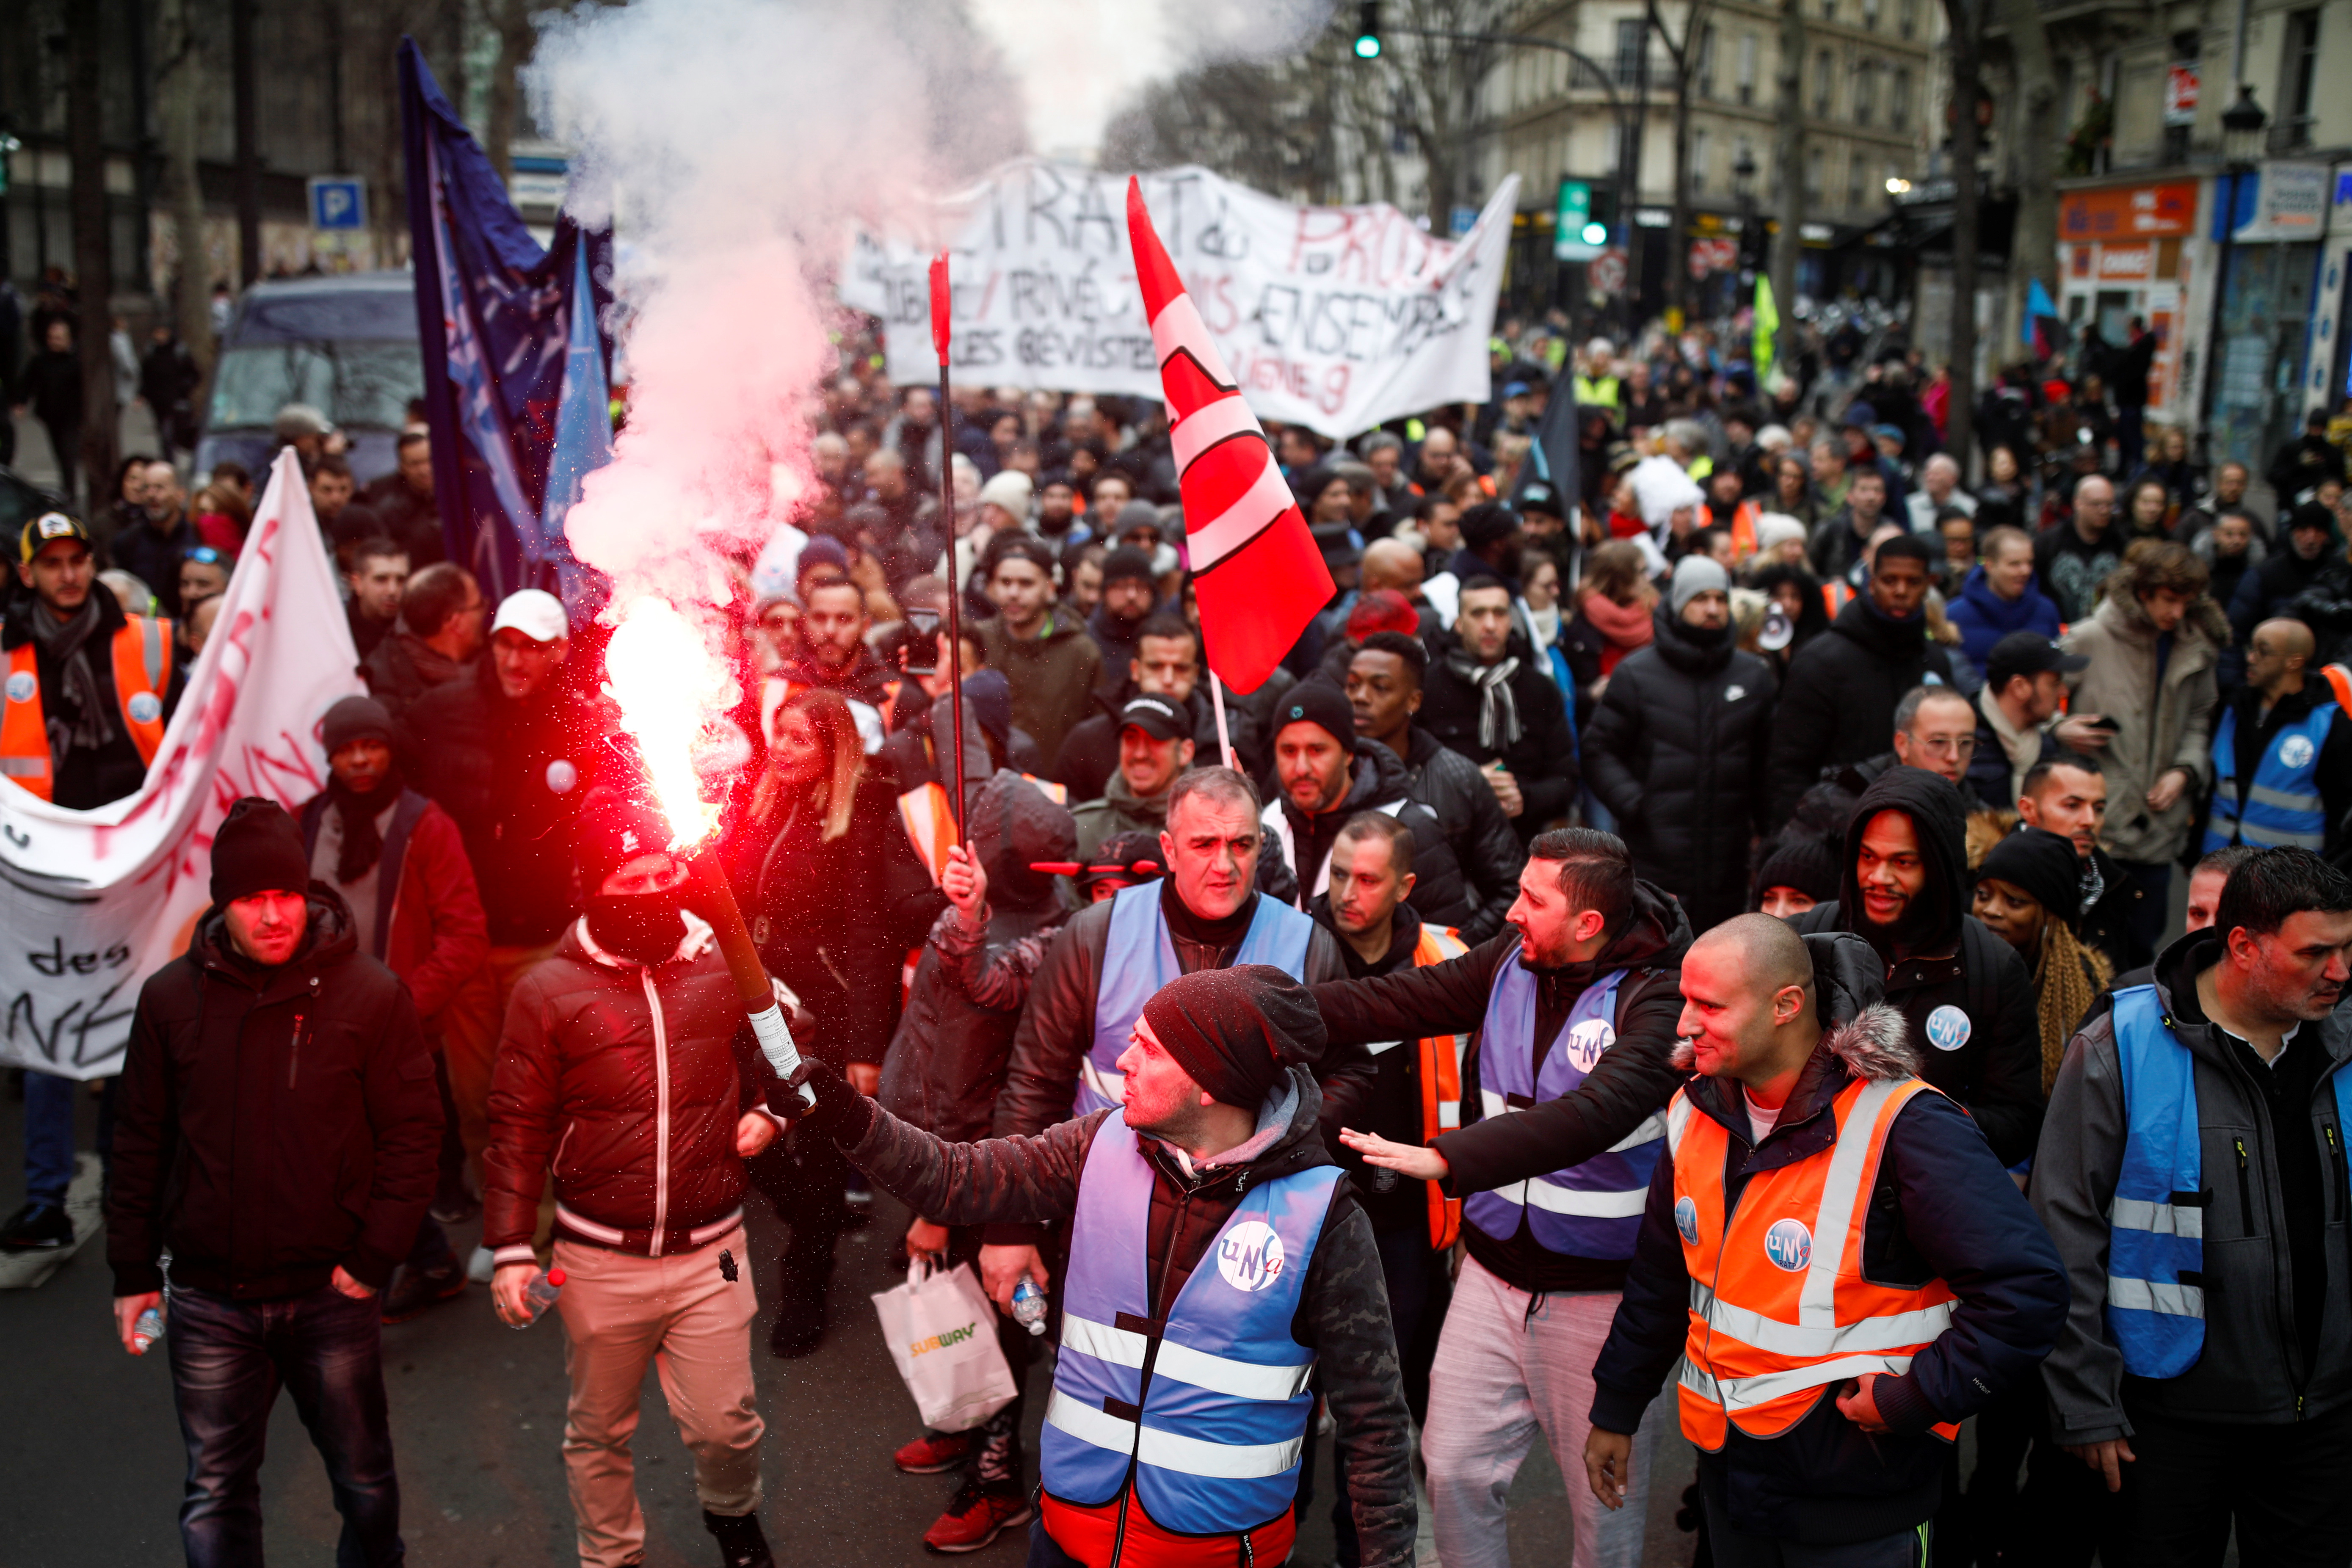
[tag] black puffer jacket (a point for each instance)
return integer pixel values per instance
(1543, 757)
(1985, 1050)
(1838, 704)
(1677, 752)
(271, 1124)
(1438, 891)
(1343, 1316)
(1490, 855)
(513, 774)
(947, 1061)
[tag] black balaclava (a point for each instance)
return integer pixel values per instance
(642, 928)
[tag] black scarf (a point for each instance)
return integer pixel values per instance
(81, 721)
(363, 846)
(642, 928)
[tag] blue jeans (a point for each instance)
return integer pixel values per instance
(48, 1136)
(229, 1360)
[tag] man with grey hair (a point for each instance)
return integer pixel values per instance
(1939, 487)
(2080, 553)
(1383, 453)
(1368, 508)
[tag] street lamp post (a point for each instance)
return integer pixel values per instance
(1743, 185)
(2241, 144)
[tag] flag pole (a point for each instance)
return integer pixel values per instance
(1217, 700)
(940, 330)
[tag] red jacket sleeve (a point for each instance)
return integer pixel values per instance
(438, 870)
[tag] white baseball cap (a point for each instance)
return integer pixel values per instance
(535, 613)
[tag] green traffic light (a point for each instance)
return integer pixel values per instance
(1368, 47)
(1594, 234)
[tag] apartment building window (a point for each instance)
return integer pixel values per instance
(1698, 151)
(1705, 62)
(1816, 172)
(1865, 92)
(1829, 10)
(1870, 14)
(1856, 173)
(1824, 83)
(2301, 62)
(1898, 99)
(1631, 38)
(1910, 18)
(1748, 68)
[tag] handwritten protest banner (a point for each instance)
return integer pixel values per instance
(95, 902)
(1334, 318)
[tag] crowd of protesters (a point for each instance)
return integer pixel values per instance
(1447, 959)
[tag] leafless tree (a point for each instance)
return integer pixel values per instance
(180, 87)
(2033, 249)
(93, 251)
(1789, 157)
(1683, 53)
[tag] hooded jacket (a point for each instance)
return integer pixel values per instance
(1120, 810)
(1940, 1207)
(625, 1081)
(1632, 1079)
(1966, 994)
(2164, 719)
(1677, 752)
(946, 1063)
(1052, 675)
(1378, 784)
(271, 1125)
(2263, 1362)
(1985, 617)
(1343, 1315)
(1838, 706)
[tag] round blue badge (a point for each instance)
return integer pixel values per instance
(22, 686)
(144, 708)
(1687, 1220)
(1789, 1244)
(1948, 1028)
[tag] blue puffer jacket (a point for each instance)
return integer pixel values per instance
(1942, 1207)
(1985, 617)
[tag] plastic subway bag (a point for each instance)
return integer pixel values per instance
(941, 1329)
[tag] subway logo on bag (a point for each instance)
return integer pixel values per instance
(941, 1341)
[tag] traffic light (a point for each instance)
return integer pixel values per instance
(1601, 225)
(1367, 30)
(1572, 226)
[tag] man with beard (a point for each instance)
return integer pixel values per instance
(90, 691)
(1129, 593)
(834, 657)
(627, 1069)
(1965, 994)
(2190, 1173)
(403, 502)
(1575, 1009)
(400, 865)
(1155, 747)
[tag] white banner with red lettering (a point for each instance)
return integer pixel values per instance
(1334, 318)
(98, 901)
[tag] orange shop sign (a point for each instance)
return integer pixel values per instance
(2129, 212)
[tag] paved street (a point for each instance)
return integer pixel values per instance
(92, 1456)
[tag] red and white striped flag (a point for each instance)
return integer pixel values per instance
(1256, 570)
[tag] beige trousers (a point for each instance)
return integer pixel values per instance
(679, 1313)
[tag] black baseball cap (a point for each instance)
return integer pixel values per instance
(1537, 495)
(1156, 717)
(2029, 654)
(47, 530)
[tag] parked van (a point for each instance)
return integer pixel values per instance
(346, 345)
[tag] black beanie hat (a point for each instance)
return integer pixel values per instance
(1318, 702)
(355, 719)
(257, 848)
(1803, 861)
(1127, 562)
(2043, 866)
(1235, 1030)
(614, 830)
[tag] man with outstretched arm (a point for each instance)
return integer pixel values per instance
(1575, 1010)
(1834, 1252)
(1218, 1257)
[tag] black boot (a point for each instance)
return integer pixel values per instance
(801, 1288)
(742, 1543)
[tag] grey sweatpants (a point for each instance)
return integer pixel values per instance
(1501, 1374)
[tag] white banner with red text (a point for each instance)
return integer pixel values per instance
(98, 901)
(1334, 318)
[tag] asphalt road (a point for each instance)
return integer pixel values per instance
(92, 1462)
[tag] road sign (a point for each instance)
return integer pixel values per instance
(338, 202)
(1608, 273)
(1572, 235)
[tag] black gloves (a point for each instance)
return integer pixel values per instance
(840, 1113)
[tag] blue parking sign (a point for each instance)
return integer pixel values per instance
(338, 202)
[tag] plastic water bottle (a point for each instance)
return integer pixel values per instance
(540, 1294)
(1029, 1305)
(146, 1331)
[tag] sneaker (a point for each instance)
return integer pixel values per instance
(36, 1227)
(933, 1453)
(741, 1543)
(481, 1266)
(418, 1288)
(977, 1515)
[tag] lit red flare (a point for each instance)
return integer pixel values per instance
(665, 680)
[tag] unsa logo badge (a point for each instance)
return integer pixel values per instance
(2296, 751)
(1789, 1244)
(1687, 1220)
(22, 686)
(144, 707)
(1588, 1040)
(1948, 1028)
(1250, 1255)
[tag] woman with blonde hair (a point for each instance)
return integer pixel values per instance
(829, 882)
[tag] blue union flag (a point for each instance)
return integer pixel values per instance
(518, 355)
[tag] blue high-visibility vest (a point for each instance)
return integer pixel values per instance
(2156, 1224)
(1591, 1210)
(2283, 804)
(1209, 1407)
(1139, 959)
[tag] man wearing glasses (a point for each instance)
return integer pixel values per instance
(1936, 729)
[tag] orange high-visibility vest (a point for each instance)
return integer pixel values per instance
(1441, 1087)
(143, 673)
(930, 824)
(1780, 1312)
(1836, 595)
(2339, 681)
(1744, 519)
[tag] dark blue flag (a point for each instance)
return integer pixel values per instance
(518, 356)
